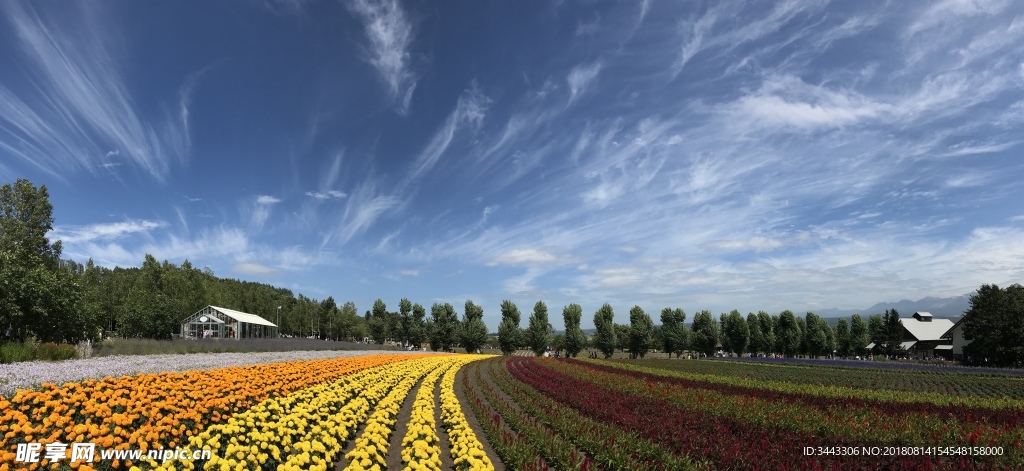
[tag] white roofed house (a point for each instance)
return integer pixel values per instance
(957, 338)
(222, 323)
(923, 335)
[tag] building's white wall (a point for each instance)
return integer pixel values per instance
(958, 340)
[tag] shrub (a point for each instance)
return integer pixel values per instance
(11, 352)
(53, 352)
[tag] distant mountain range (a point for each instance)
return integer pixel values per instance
(951, 308)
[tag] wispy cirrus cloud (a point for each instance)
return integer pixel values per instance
(580, 78)
(81, 114)
(104, 231)
(326, 195)
(469, 111)
(525, 257)
(789, 102)
(253, 268)
(390, 36)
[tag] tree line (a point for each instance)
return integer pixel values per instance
(761, 333)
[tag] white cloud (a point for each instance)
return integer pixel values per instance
(208, 245)
(693, 32)
(362, 209)
(409, 272)
(470, 111)
(973, 148)
(324, 195)
(104, 231)
(790, 102)
(79, 112)
(525, 258)
(390, 36)
(1017, 218)
(952, 11)
(580, 78)
(267, 199)
(588, 28)
(968, 179)
(758, 244)
(252, 268)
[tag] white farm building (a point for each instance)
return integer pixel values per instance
(222, 323)
(922, 334)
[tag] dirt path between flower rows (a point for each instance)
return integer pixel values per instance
(472, 419)
(394, 457)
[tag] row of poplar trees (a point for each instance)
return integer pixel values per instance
(443, 330)
(785, 333)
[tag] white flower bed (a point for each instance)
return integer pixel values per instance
(31, 374)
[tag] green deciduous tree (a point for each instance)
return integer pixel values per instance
(640, 332)
(622, 337)
(756, 338)
(378, 322)
(604, 338)
(444, 327)
(538, 333)
(801, 329)
(995, 325)
(705, 333)
(788, 333)
(816, 337)
(860, 337)
(767, 332)
(418, 328)
(510, 335)
(735, 333)
(876, 330)
(473, 331)
(38, 296)
(843, 338)
(405, 321)
(674, 332)
(575, 341)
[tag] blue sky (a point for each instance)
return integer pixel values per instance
(732, 155)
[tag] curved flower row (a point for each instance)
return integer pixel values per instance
(736, 432)
(156, 410)
(371, 447)
(420, 450)
(860, 420)
(821, 390)
(956, 381)
(606, 442)
(467, 451)
(304, 430)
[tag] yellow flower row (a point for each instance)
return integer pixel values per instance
(370, 451)
(467, 451)
(303, 430)
(420, 450)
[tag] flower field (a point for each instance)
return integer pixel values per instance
(583, 414)
(301, 415)
(478, 412)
